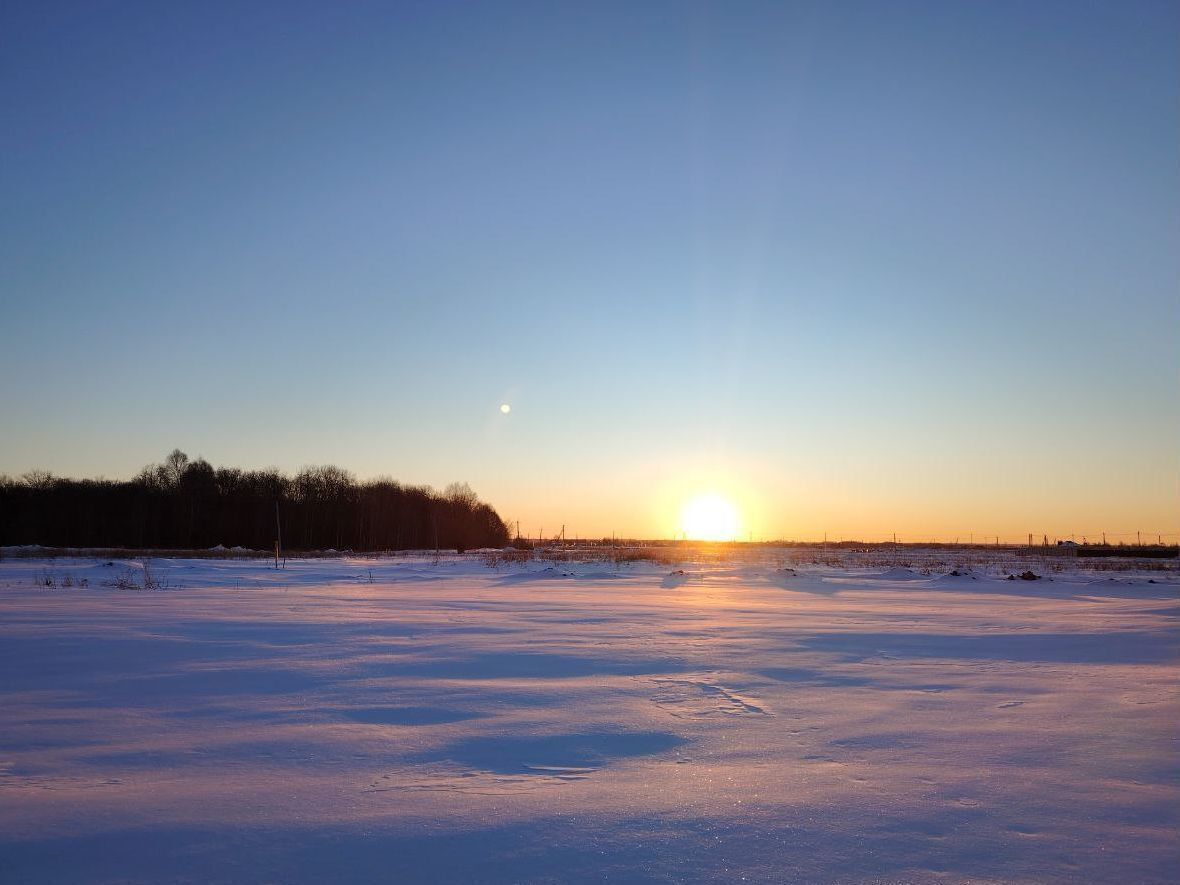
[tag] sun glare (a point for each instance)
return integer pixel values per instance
(710, 518)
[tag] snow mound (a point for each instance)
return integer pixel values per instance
(1126, 582)
(897, 574)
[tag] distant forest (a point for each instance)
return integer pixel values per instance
(192, 505)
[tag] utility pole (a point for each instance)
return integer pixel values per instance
(278, 534)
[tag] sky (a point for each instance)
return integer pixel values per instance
(860, 268)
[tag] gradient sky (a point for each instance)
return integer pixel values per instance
(864, 267)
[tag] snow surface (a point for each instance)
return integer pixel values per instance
(405, 721)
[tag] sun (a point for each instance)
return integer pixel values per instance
(710, 517)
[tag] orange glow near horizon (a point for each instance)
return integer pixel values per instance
(710, 517)
(650, 499)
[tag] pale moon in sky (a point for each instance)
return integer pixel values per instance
(505, 408)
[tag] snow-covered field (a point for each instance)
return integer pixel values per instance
(400, 721)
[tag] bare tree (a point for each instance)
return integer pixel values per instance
(38, 480)
(174, 467)
(460, 493)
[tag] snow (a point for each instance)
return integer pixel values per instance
(411, 720)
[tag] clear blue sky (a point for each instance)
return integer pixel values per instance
(862, 266)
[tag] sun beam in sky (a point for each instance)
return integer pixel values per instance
(710, 517)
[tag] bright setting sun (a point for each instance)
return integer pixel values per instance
(710, 518)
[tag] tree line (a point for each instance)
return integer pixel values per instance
(183, 503)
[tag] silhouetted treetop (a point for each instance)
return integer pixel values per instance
(183, 503)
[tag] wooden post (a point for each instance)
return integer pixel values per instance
(278, 535)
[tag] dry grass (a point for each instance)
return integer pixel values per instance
(924, 560)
